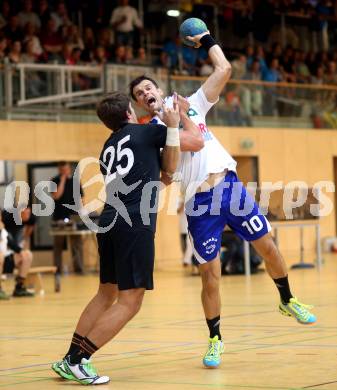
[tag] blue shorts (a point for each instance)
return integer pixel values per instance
(230, 204)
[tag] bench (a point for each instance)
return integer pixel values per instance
(34, 277)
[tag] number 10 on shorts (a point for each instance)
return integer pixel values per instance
(253, 225)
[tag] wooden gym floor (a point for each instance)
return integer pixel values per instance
(162, 347)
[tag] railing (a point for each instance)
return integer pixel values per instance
(61, 92)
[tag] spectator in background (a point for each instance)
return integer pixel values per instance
(28, 16)
(12, 30)
(239, 67)
(100, 56)
(73, 37)
(5, 14)
(319, 76)
(89, 39)
(105, 39)
(273, 73)
(171, 54)
(65, 195)
(331, 74)
(51, 41)
(301, 68)
(288, 64)
(251, 95)
(66, 54)
(189, 57)
(35, 86)
(3, 49)
(124, 19)
(44, 13)
(129, 58)
(120, 54)
(14, 54)
(30, 35)
(142, 57)
(60, 16)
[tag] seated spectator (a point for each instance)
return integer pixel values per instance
(100, 56)
(35, 86)
(104, 39)
(189, 57)
(66, 54)
(288, 64)
(171, 53)
(5, 14)
(14, 240)
(73, 37)
(3, 49)
(239, 67)
(235, 114)
(28, 16)
(120, 54)
(60, 16)
(331, 74)
(142, 57)
(124, 19)
(14, 54)
(129, 58)
(273, 73)
(260, 55)
(12, 30)
(249, 55)
(30, 35)
(251, 95)
(319, 76)
(89, 39)
(301, 68)
(51, 41)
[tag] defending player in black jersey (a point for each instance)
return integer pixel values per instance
(130, 162)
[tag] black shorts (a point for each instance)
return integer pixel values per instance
(127, 257)
(9, 264)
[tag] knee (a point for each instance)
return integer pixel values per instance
(27, 257)
(211, 279)
(107, 295)
(269, 250)
(134, 303)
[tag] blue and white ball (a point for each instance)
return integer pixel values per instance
(191, 27)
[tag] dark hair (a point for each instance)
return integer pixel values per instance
(112, 110)
(137, 81)
(62, 163)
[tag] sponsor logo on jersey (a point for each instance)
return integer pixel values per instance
(210, 245)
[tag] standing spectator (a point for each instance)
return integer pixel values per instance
(60, 16)
(31, 36)
(28, 16)
(44, 13)
(124, 19)
(5, 14)
(272, 74)
(51, 41)
(12, 30)
(65, 195)
(319, 77)
(239, 67)
(89, 40)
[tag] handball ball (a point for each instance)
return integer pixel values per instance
(191, 27)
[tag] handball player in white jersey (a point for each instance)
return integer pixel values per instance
(208, 176)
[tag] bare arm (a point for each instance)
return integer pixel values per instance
(191, 139)
(171, 152)
(60, 188)
(215, 83)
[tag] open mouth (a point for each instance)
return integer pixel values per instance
(151, 102)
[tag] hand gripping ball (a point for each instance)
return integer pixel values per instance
(191, 27)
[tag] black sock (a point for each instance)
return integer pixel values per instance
(214, 327)
(19, 282)
(282, 285)
(86, 349)
(75, 344)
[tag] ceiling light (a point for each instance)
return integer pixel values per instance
(173, 12)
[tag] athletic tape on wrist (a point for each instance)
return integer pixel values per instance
(172, 137)
(207, 41)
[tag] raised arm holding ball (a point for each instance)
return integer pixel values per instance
(208, 178)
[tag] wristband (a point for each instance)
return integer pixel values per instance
(172, 136)
(207, 41)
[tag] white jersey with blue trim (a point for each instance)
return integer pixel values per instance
(195, 167)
